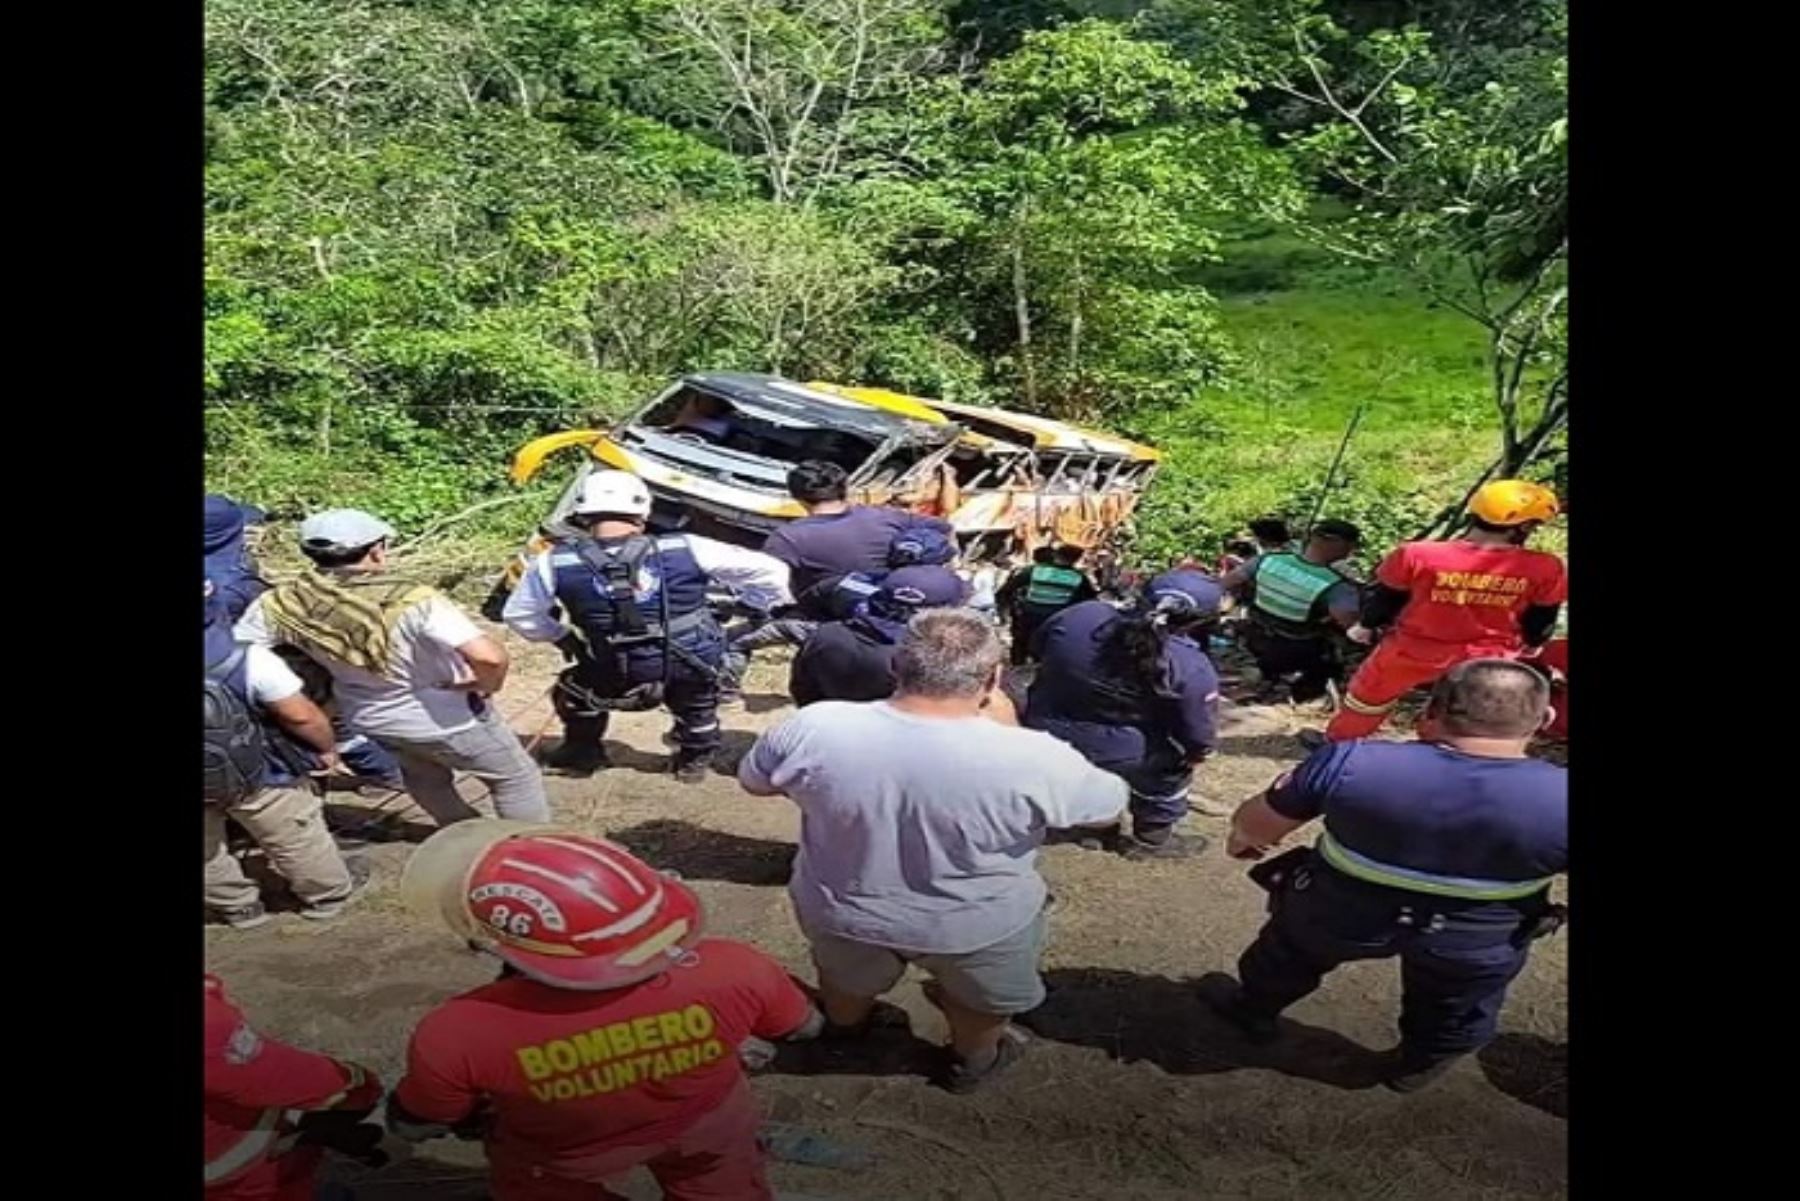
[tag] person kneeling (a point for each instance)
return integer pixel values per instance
(1135, 693)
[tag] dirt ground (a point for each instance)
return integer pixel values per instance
(1132, 1090)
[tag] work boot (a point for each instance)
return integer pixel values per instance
(1312, 740)
(245, 917)
(1161, 842)
(1405, 1072)
(577, 759)
(1267, 693)
(1257, 1027)
(691, 769)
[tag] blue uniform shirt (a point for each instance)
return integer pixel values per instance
(820, 550)
(1112, 722)
(1428, 808)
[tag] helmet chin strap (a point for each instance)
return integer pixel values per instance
(570, 986)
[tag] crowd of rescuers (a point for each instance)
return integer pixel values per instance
(926, 775)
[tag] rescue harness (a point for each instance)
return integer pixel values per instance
(616, 568)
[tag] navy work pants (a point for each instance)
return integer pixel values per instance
(1307, 663)
(690, 693)
(1456, 957)
(366, 757)
(1152, 766)
(1025, 623)
(1159, 792)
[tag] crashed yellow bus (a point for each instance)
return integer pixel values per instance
(715, 448)
(1023, 480)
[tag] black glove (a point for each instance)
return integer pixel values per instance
(573, 649)
(344, 1131)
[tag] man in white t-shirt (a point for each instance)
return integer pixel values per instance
(407, 667)
(921, 817)
(284, 815)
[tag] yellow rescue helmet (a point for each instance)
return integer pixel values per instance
(1512, 502)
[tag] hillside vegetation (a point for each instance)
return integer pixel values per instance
(438, 228)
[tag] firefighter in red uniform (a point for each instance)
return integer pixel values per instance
(610, 1040)
(1483, 595)
(253, 1152)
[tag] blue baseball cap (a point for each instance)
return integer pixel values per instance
(226, 519)
(921, 545)
(923, 587)
(1183, 594)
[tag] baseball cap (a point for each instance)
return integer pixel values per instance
(226, 519)
(921, 544)
(921, 587)
(342, 530)
(1184, 593)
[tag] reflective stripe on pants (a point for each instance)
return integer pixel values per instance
(1396, 667)
(246, 1151)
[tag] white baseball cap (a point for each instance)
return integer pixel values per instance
(614, 493)
(337, 530)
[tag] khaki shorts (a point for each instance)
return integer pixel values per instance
(1001, 978)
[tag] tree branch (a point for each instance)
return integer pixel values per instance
(1330, 100)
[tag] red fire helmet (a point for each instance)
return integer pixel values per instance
(563, 907)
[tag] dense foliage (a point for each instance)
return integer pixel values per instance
(439, 227)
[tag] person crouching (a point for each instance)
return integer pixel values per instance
(1136, 694)
(853, 659)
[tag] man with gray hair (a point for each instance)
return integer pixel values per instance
(921, 816)
(1440, 852)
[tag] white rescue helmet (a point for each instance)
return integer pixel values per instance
(613, 493)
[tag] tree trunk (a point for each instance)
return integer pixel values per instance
(1523, 452)
(1022, 312)
(1506, 397)
(776, 336)
(1075, 328)
(324, 431)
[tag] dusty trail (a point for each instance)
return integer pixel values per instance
(1135, 1092)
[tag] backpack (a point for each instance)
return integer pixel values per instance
(236, 759)
(343, 618)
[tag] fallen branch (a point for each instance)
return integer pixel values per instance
(933, 1137)
(440, 524)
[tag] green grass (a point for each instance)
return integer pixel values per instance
(1315, 338)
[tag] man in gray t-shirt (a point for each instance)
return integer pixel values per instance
(921, 816)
